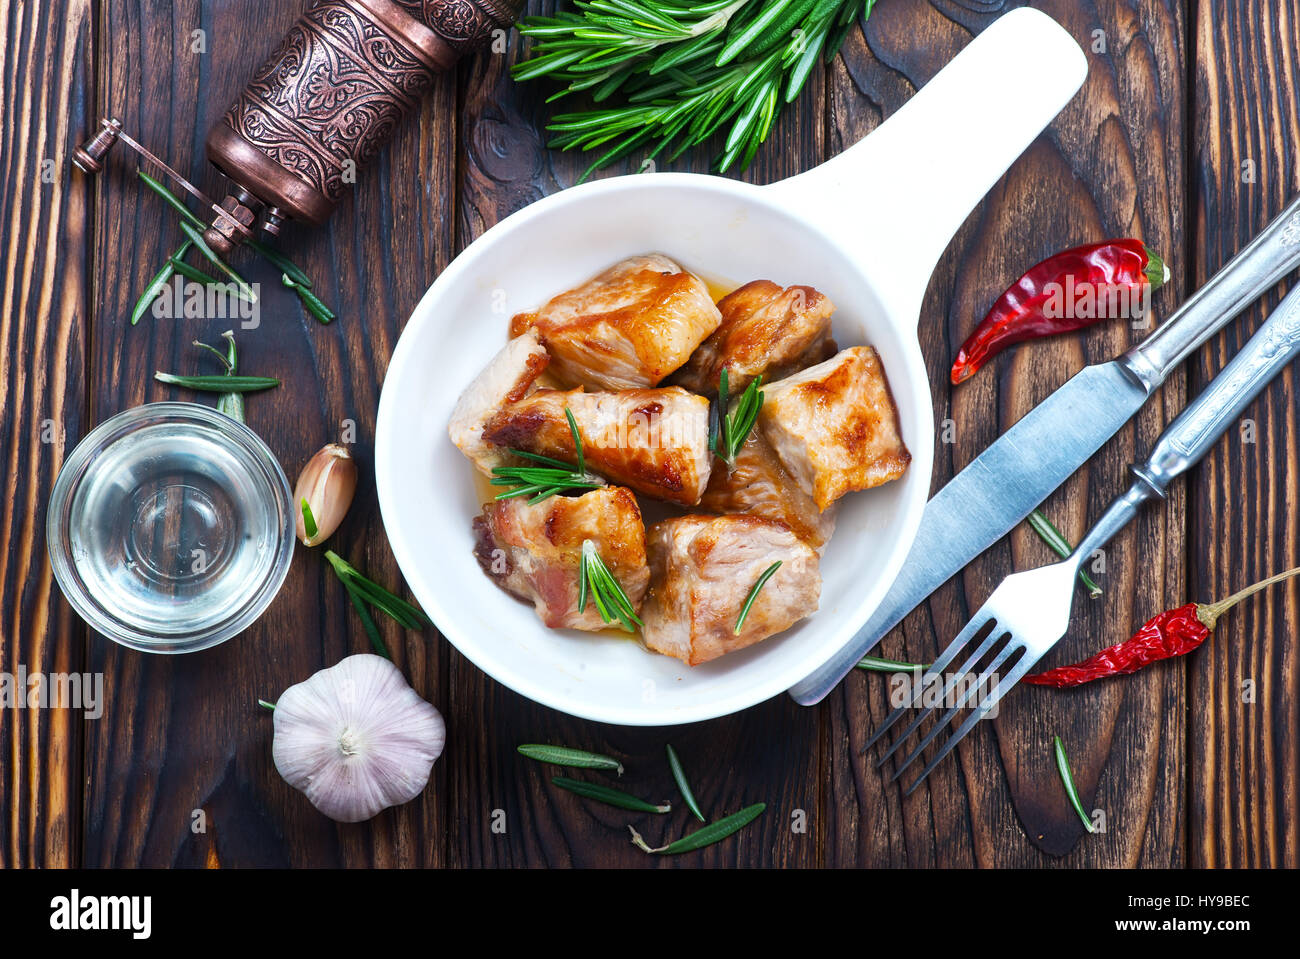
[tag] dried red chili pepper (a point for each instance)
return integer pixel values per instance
(1174, 632)
(1068, 291)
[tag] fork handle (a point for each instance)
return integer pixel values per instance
(1263, 262)
(1206, 418)
(1197, 428)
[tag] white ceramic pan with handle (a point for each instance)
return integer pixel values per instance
(865, 228)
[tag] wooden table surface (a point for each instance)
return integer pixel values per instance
(1186, 134)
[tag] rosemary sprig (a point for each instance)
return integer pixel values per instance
(705, 835)
(1054, 538)
(567, 756)
(753, 594)
(676, 72)
(552, 477)
(730, 428)
(684, 787)
(232, 404)
(595, 580)
(291, 275)
(363, 592)
(218, 384)
(1067, 778)
(609, 795)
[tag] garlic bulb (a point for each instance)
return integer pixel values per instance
(356, 738)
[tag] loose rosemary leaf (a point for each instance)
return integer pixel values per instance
(219, 384)
(1055, 539)
(609, 795)
(158, 283)
(679, 777)
(705, 835)
(1067, 778)
(281, 262)
(567, 756)
(172, 200)
(874, 664)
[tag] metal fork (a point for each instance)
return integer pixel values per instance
(1028, 613)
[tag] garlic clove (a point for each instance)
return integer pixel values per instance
(328, 483)
(356, 738)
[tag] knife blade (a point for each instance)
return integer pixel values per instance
(1020, 469)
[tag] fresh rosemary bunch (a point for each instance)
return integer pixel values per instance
(674, 73)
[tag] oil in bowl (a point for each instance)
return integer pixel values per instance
(170, 527)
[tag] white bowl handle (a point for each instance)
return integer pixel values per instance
(895, 199)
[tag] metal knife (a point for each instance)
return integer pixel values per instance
(1020, 469)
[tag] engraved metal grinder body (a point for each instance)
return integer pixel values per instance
(322, 106)
(331, 96)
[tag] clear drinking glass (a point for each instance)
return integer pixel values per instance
(170, 527)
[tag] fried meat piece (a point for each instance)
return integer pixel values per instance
(703, 568)
(534, 551)
(628, 327)
(655, 441)
(835, 426)
(765, 330)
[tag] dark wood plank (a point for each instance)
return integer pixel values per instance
(1110, 165)
(768, 753)
(184, 733)
(46, 86)
(1245, 755)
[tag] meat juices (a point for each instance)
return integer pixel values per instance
(765, 330)
(702, 570)
(507, 378)
(535, 551)
(655, 441)
(835, 426)
(759, 485)
(629, 327)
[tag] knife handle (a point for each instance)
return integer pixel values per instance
(1274, 253)
(1206, 418)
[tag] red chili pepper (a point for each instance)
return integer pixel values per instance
(1172, 633)
(1065, 292)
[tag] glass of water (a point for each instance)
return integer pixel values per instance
(170, 527)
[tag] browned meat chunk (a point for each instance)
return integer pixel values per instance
(655, 441)
(535, 551)
(702, 570)
(507, 378)
(835, 426)
(628, 327)
(765, 329)
(758, 485)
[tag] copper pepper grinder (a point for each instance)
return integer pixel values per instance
(322, 106)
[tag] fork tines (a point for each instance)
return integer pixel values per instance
(978, 690)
